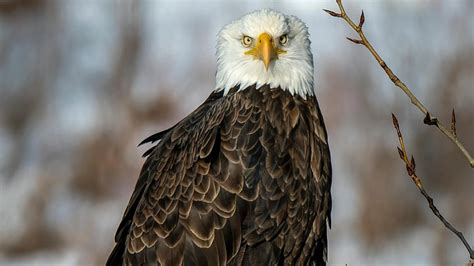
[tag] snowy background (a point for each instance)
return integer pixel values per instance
(83, 82)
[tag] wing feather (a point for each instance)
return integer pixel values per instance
(236, 182)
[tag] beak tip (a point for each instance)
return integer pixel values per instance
(266, 64)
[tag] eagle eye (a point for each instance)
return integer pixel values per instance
(283, 39)
(247, 41)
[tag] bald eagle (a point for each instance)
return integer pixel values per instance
(244, 179)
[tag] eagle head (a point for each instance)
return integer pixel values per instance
(265, 47)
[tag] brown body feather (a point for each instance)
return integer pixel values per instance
(243, 180)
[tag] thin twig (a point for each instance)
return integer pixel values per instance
(411, 170)
(429, 118)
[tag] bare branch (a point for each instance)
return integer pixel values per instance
(429, 119)
(410, 165)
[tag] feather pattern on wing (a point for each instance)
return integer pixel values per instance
(243, 180)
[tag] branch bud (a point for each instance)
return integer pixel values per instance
(410, 170)
(397, 126)
(332, 13)
(430, 120)
(412, 163)
(354, 40)
(453, 123)
(361, 20)
(401, 154)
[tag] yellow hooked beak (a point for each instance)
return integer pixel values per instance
(265, 49)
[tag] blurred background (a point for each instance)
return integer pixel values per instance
(83, 82)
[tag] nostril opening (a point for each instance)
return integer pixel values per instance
(260, 41)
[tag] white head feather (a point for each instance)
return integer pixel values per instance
(292, 71)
